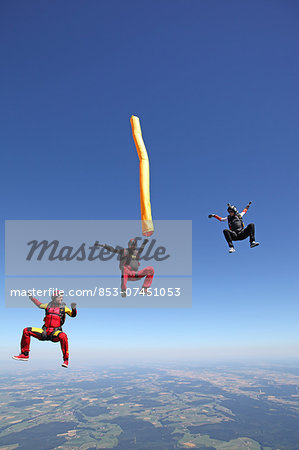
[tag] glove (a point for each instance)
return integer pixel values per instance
(73, 305)
(29, 293)
(249, 203)
(211, 215)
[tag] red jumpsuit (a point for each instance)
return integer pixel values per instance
(131, 275)
(129, 264)
(51, 330)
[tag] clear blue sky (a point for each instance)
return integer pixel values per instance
(216, 87)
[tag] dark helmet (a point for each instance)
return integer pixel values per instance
(132, 243)
(56, 294)
(232, 208)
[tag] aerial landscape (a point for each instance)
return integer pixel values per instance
(164, 408)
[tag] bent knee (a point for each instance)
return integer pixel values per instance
(62, 336)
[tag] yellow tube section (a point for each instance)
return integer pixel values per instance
(146, 211)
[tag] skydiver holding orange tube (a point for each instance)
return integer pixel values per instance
(129, 265)
(237, 231)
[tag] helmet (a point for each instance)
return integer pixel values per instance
(132, 243)
(56, 294)
(231, 208)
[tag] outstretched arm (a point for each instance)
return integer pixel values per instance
(245, 209)
(37, 302)
(222, 219)
(109, 247)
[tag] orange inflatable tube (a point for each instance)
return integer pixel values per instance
(144, 179)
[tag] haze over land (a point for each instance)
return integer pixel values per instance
(212, 407)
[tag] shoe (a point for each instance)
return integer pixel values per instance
(21, 357)
(123, 294)
(254, 244)
(231, 250)
(65, 363)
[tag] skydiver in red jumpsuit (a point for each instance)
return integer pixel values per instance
(55, 312)
(129, 265)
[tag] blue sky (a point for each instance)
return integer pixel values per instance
(216, 87)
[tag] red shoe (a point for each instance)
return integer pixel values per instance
(65, 363)
(21, 357)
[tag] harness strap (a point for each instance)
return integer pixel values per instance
(49, 337)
